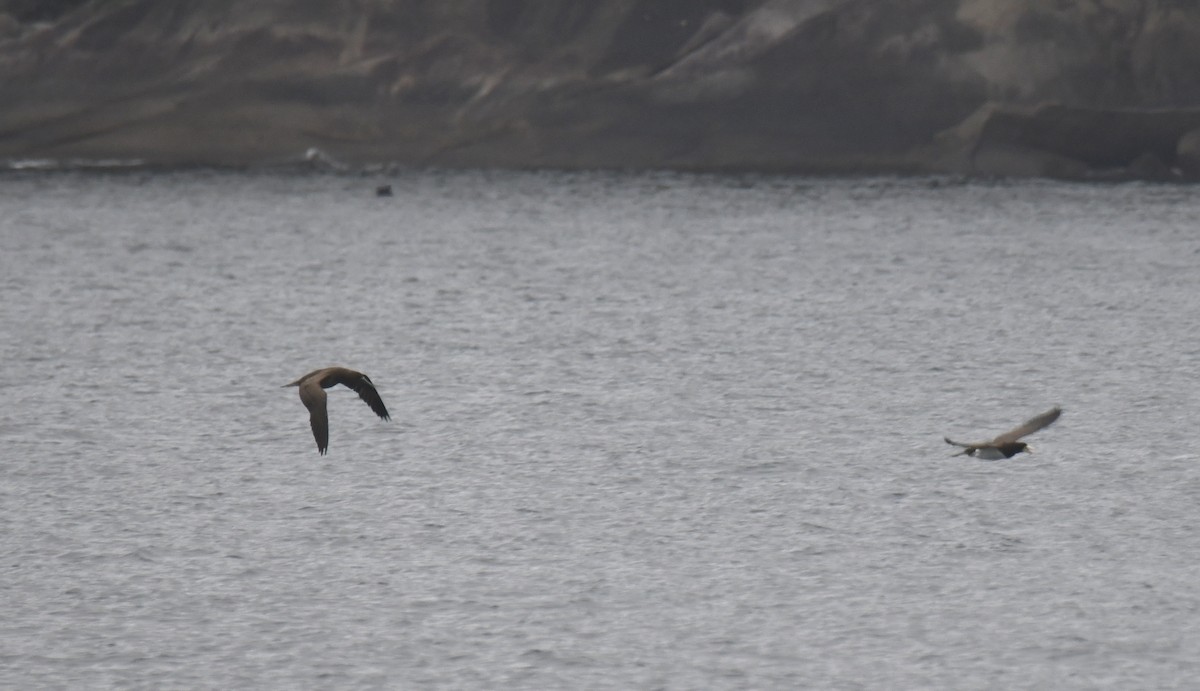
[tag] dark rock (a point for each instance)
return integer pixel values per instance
(1149, 166)
(1074, 142)
(807, 85)
(1187, 154)
(26, 11)
(10, 26)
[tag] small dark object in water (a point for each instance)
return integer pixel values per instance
(383, 191)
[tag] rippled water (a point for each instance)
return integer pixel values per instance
(649, 431)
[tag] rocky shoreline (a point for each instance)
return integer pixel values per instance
(1086, 90)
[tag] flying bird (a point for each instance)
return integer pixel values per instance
(312, 394)
(1006, 445)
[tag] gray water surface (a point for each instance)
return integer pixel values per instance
(649, 432)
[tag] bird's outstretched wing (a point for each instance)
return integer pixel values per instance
(313, 397)
(365, 389)
(1029, 427)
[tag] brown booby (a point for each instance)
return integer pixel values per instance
(312, 394)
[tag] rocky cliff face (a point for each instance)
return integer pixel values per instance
(817, 85)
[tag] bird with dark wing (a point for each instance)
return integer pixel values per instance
(312, 394)
(1007, 445)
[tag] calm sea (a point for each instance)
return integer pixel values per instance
(649, 432)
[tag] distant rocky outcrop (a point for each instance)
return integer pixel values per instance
(1077, 89)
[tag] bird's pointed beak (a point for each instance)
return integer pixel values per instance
(1028, 449)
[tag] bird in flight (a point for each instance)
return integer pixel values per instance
(1006, 445)
(312, 394)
